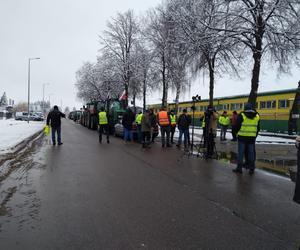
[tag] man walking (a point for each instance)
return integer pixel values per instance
(184, 122)
(54, 120)
(103, 125)
(164, 123)
(224, 122)
(248, 126)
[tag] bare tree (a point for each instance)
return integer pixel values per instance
(143, 69)
(119, 39)
(21, 107)
(87, 82)
(160, 34)
(211, 48)
(266, 27)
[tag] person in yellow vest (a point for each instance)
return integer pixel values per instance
(173, 121)
(224, 122)
(248, 126)
(138, 121)
(103, 125)
(164, 122)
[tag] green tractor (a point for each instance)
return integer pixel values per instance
(113, 107)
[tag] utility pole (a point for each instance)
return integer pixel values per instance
(28, 110)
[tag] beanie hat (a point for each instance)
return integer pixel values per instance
(248, 106)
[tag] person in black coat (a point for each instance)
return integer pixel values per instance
(54, 120)
(183, 123)
(127, 120)
(297, 188)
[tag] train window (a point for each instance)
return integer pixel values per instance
(223, 107)
(236, 106)
(268, 105)
(283, 104)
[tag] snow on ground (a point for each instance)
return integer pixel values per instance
(261, 139)
(13, 132)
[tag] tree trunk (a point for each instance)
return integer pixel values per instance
(126, 95)
(133, 103)
(164, 97)
(257, 54)
(255, 79)
(177, 98)
(144, 94)
(294, 113)
(211, 81)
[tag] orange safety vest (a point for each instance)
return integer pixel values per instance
(163, 118)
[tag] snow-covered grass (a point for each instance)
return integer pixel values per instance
(13, 132)
(261, 139)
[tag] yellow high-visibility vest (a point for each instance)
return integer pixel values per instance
(103, 118)
(224, 120)
(249, 126)
(203, 122)
(138, 119)
(173, 120)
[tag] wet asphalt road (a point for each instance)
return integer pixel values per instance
(84, 195)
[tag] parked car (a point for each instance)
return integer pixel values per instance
(23, 116)
(119, 130)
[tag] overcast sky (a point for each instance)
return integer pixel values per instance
(64, 34)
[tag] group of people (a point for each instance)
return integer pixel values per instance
(245, 127)
(147, 126)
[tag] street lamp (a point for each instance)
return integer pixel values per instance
(29, 60)
(43, 104)
(49, 98)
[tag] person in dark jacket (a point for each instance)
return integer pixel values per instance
(54, 120)
(233, 125)
(127, 120)
(183, 123)
(146, 129)
(248, 126)
(296, 197)
(154, 126)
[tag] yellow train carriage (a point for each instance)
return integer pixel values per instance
(274, 108)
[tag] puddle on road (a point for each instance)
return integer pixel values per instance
(277, 166)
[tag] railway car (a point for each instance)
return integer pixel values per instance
(274, 108)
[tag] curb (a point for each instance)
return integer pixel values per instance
(19, 147)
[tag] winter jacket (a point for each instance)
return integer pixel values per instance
(146, 124)
(213, 121)
(153, 120)
(296, 197)
(54, 118)
(128, 119)
(234, 119)
(250, 114)
(184, 121)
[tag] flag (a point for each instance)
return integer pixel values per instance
(123, 96)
